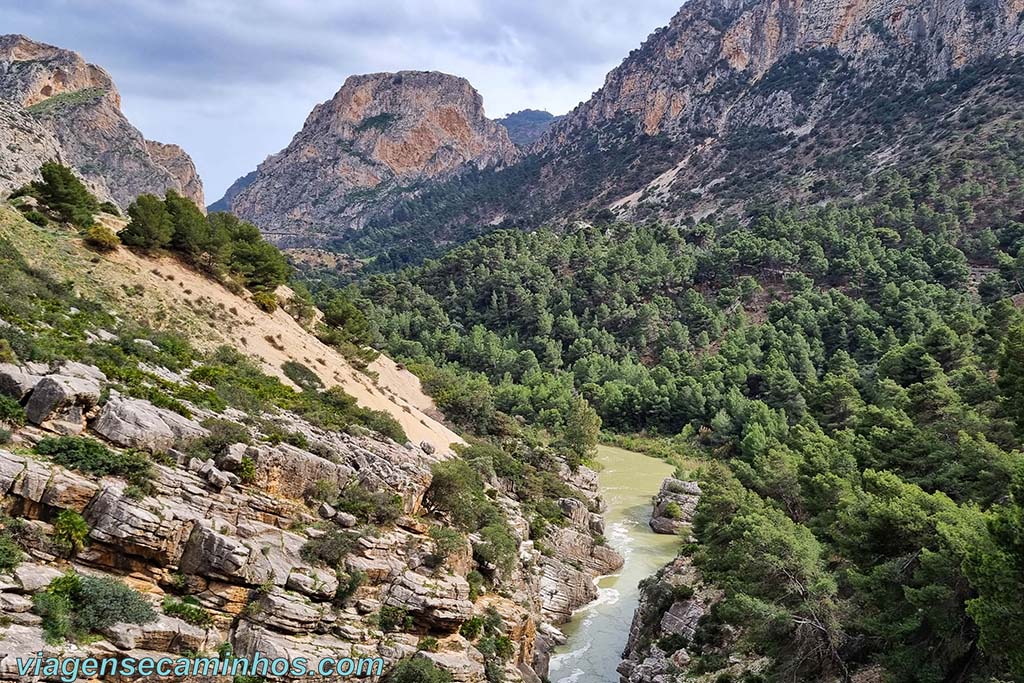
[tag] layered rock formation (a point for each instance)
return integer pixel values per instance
(377, 140)
(56, 106)
(738, 103)
(235, 549)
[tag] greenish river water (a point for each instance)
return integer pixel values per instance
(598, 632)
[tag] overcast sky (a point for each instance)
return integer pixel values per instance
(232, 80)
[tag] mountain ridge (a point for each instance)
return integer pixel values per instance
(55, 105)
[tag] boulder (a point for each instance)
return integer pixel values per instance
(32, 578)
(164, 634)
(70, 368)
(464, 667)
(60, 403)
(135, 423)
(674, 506)
(441, 602)
(16, 381)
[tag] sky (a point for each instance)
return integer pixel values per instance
(232, 81)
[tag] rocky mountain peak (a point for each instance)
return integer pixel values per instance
(378, 137)
(53, 104)
(712, 42)
(34, 72)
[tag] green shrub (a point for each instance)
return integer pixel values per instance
(110, 208)
(265, 301)
(417, 671)
(10, 552)
(457, 489)
(5, 435)
(477, 584)
(11, 412)
(447, 541)
(101, 238)
(188, 610)
(348, 584)
(673, 511)
(498, 546)
(223, 433)
(247, 470)
(304, 378)
(92, 457)
(37, 218)
(150, 226)
(391, 619)
(428, 644)
(330, 549)
(379, 508)
(471, 628)
(74, 606)
(70, 532)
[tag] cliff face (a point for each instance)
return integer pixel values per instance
(672, 83)
(745, 102)
(55, 105)
(375, 141)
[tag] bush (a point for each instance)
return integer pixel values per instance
(446, 542)
(330, 549)
(92, 457)
(392, 619)
(498, 546)
(247, 470)
(70, 532)
(110, 208)
(265, 301)
(10, 552)
(188, 610)
(471, 628)
(375, 507)
(304, 378)
(37, 218)
(11, 412)
(74, 606)
(457, 489)
(101, 238)
(417, 671)
(673, 511)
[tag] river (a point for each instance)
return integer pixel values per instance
(598, 632)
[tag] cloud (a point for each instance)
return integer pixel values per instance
(232, 80)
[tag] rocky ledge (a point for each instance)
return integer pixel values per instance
(228, 533)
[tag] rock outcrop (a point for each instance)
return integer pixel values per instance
(238, 551)
(674, 506)
(375, 142)
(738, 103)
(56, 106)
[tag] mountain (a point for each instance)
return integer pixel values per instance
(738, 104)
(379, 139)
(53, 105)
(737, 100)
(526, 127)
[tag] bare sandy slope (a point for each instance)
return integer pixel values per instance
(165, 294)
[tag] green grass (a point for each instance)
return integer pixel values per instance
(67, 99)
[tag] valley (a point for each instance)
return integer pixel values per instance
(716, 378)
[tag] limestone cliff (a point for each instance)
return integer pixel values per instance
(740, 103)
(376, 141)
(56, 106)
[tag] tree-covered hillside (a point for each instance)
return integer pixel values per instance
(858, 367)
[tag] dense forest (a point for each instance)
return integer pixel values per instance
(851, 374)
